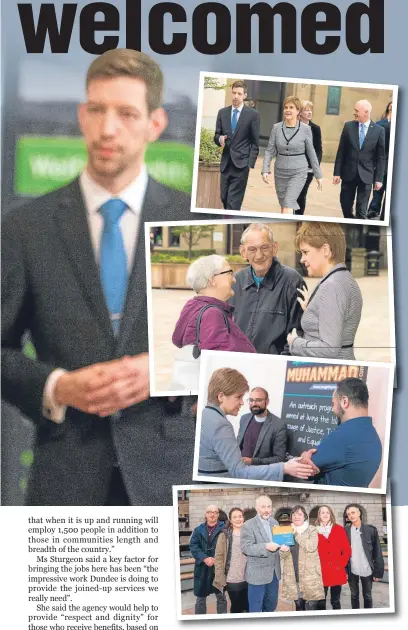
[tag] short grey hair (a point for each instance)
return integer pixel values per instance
(260, 497)
(258, 227)
(366, 104)
(202, 270)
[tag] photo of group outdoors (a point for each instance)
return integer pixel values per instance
(268, 146)
(277, 420)
(302, 289)
(281, 552)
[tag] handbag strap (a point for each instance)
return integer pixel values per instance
(196, 349)
(324, 280)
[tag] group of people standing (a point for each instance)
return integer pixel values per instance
(241, 558)
(266, 307)
(296, 143)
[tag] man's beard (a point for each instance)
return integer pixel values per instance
(257, 411)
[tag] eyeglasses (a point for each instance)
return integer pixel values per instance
(256, 400)
(264, 249)
(231, 271)
(211, 512)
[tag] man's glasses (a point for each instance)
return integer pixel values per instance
(221, 273)
(256, 400)
(211, 512)
(265, 249)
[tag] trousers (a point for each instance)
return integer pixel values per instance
(366, 585)
(201, 604)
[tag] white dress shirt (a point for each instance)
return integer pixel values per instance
(94, 197)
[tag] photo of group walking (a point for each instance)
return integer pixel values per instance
(335, 134)
(277, 420)
(306, 289)
(246, 551)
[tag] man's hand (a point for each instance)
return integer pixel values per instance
(336, 180)
(296, 468)
(271, 546)
(284, 548)
(209, 562)
(265, 177)
(309, 453)
(376, 579)
(105, 388)
(247, 460)
(222, 140)
(377, 185)
(319, 183)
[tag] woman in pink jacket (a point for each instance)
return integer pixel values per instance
(211, 277)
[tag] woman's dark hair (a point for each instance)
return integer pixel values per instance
(296, 509)
(387, 111)
(234, 509)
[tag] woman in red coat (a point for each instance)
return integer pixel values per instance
(334, 552)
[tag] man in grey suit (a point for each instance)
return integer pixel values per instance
(262, 571)
(237, 131)
(73, 277)
(261, 435)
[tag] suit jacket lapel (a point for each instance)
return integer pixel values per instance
(262, 531)
(355, 135)
(73, 231)
(369, 133)
(265, 426)
(228, 128)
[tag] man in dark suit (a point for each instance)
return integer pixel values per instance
(73, 277)
(360, 161)
(237, 131)
(261, 435)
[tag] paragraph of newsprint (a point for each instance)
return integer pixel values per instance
(91, 570)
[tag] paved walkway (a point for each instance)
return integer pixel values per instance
(260, 197)
(372, 340)
(380, 600)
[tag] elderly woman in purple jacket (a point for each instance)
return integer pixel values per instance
(211, 277)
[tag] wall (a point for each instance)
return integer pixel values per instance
(227, 498)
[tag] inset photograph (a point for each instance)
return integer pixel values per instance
(252, 552)
(273, 419)
(270, 146)
(307, 289)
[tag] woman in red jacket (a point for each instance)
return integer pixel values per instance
(334, 552)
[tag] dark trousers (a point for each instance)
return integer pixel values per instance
(263, 597)
(348, 194)
(366, 585)
(233, 185)
(377, 206)
(117, 494)
(201, 604)
(302, 197)
(335, 592)
(238, 597)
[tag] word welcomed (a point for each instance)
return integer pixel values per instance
(208, 27)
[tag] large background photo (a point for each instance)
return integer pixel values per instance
(333, 106)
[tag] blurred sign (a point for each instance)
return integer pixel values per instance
(45, 163)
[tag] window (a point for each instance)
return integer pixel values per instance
(156, 236)
(333, 100)
(174, 239)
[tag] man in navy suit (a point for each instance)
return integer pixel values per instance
(73, 276)
(237, 131)
(360, 161)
